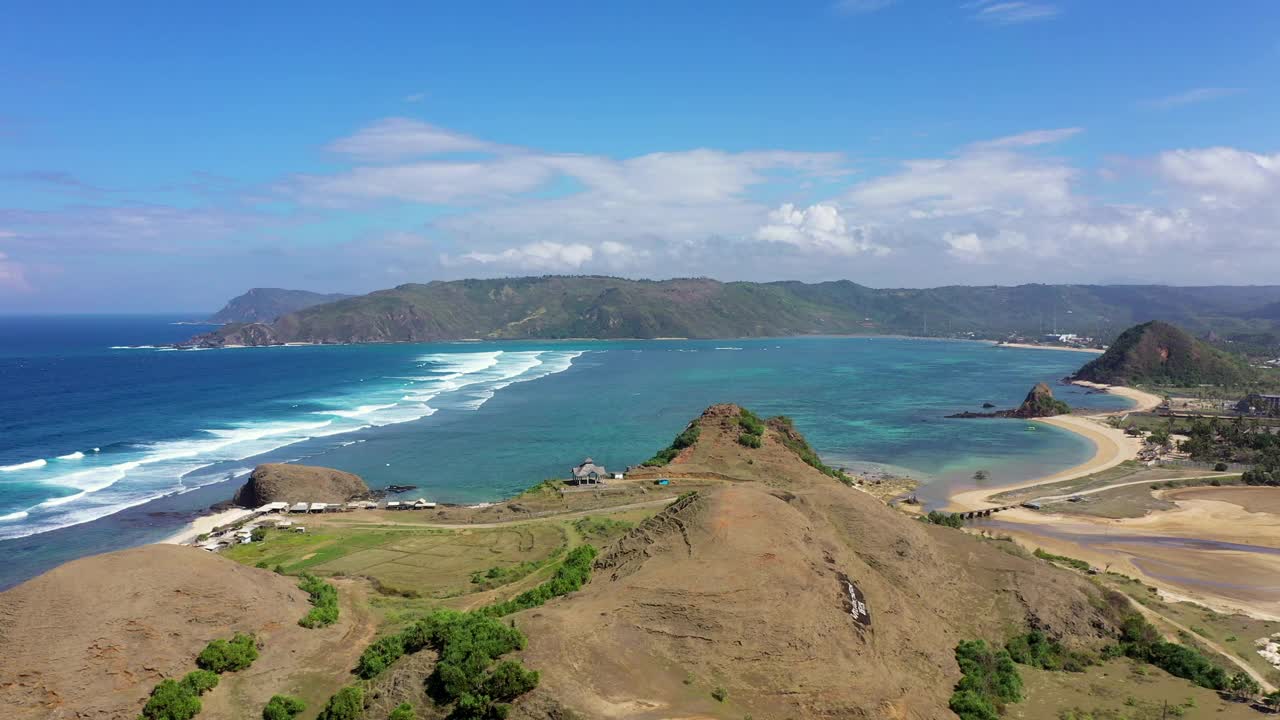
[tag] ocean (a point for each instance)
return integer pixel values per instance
(108, 439)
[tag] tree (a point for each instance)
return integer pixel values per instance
(346, 704)
(200, 682)
(403, 711)
(282, 707)
(1243, 687)
(171, 700)
(222, 656)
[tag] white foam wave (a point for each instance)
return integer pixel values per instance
(32, 465)
(72, 456)
(153, 470)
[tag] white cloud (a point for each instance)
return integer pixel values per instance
(818, 228)
(426, 182)
(976, 180)
(1192, 96)
(1030, 138)
(1223, 169)
(402, 138)
(1000, 12)
(540, 255)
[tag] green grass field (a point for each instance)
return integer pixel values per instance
(1119, 690)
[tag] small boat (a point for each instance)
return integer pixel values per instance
(1031, 428)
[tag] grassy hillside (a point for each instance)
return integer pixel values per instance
(1157, 353)
(604, 307)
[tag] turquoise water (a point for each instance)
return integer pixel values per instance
(108, 442)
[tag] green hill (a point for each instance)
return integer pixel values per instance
(605, 307)
(1157, 353)
(267, 304)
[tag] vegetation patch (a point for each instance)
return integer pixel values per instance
(324, 598)
(1038, 650)
(1141, 641)
(1063, 560)
(951, 520)
(990, 680)
(796, 443)
(572, 574)
(346, 704)
(685, 439)
(600, 528)
(221, 656)
(752, 426)
(282, 707)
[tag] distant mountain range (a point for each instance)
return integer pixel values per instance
(264, 305)
(605, 307)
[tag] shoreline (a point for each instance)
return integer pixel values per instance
(204, 524)
(1033, 346)
(1111, 447)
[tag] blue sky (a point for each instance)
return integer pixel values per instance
(154, 156)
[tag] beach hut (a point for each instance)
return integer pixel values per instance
(299, 529)
(298, 507)
(588, 473)
(284, 523)
(394, 505)
(272, 507)
(421, 504)
(318, 507)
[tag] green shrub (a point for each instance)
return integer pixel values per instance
(685, 439)
(990, 679)
(346, 704)
(379, 656)
(258, 535)
(403, 711)
(282, 707)
(200, 681)
(222, 656)
(509, 680)
(324, 598)
(793, 441)
(749, 440)
(171, 700)
(720, 694)
(1037, 650)
(1070, 562)
(572, 574)
(1140, 641)
(952, 520)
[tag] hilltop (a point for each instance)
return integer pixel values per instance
(287, 482)
(606, 307)
(1158, 353)
(751, 587)
(266, 304)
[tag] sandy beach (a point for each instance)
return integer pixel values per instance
(1111, 447)
(204, 524)
(1031, 346)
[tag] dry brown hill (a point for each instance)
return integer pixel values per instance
(747, 588)
(91, 638)
(275, 482)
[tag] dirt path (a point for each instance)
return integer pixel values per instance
(1104, 488)
(518, 520)
(1241, 664)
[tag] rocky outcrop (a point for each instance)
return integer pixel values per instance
(1039, 403)
(267, 304)
(280, 482)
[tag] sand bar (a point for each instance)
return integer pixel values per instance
(1030, 346)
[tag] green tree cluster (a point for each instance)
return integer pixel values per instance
(403, 711)
(572, 574)
(685, 439)
(990, 680)
(1141, 641)
(179, 700)
(1038, 650)
(324, 601)
(938, 517)
(346, 704)
(221, 656)
(282, 707)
